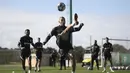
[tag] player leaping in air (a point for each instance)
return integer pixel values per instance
(63, 38)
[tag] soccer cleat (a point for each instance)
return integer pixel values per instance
(25, 71)
(111, 69)
(29, 71)
(90, 68)
(60, 69)
(72, 72)
(35, 69)
(39, 70)
(98, 68)
(104, 70)
(65, 68)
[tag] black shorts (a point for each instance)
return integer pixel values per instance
(38, 54)
(65, 45)
(25, 54)
(65, 53)
(94, 56)
(107, 56)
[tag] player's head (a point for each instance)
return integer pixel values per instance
(62, 20)
(27, 32)
(95, 41)
(39, 39)
(107, 39)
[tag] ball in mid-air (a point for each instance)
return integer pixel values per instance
(61, 6)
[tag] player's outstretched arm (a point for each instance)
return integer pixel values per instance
(19, 44)
(53, 32)
(32, 43)
(47, 39)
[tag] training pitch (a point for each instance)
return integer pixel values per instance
(47, 69)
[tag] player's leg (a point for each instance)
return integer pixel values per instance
(61, 58)
(68, 61)
(36, 65)
(65, 53)
(92, 61)
(39, 61)
(54, 60)
(62, 63)
(73, 61)
(23, 59)
(29, 61)
(105, 62)
(97, 63)
(110, 60)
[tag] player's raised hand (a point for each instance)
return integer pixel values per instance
(43, 43)
(76, 18)
(81, 24)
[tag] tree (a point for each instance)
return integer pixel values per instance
(120, 48)
(79, 51)
(49, 50)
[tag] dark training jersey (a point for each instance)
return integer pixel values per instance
(54, 55)
(25, 42)
(107, 47)
(38, 46)
(95, 49)
(62, 41)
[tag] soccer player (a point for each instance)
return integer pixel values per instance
(107, 49)
(94, 55)
(54, 56)
(24, 44)
(39, 50)
(63, 37)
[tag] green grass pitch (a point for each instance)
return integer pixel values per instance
(48, 69)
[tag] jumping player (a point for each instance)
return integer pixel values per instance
(107, 49)
(24, 44)
(63, 37)
(94, 51)
(39, 50)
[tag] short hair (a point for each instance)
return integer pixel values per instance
(38, 37)
(107, 38)
(27, 30)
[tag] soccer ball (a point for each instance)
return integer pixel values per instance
(61, 6)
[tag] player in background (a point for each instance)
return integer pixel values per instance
(24, 45)
(39, 51)
(107, 49)
(63, 38)
(54, 57)
(94, 55)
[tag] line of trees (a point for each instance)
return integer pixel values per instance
(79, 50)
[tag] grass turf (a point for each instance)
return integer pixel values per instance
(47, 69)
